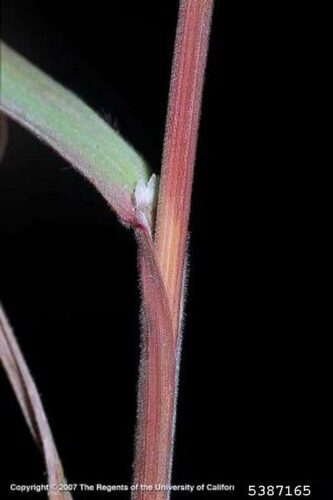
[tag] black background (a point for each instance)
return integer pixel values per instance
(254, 387)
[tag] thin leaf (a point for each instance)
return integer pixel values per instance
(63, 121)
(31, 405)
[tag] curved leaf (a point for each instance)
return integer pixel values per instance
(74, 130)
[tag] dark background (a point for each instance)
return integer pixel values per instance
(254, 396)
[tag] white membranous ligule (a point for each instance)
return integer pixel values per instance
(144, 198)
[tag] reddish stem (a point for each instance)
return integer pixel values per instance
(162, 266)
(157, 378)
(180, 146)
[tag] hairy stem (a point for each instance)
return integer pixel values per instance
(180, 146)
(157, 377)
(163, 265)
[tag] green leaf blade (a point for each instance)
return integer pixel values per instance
(74, 130)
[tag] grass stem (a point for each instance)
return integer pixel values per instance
(163, 262)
